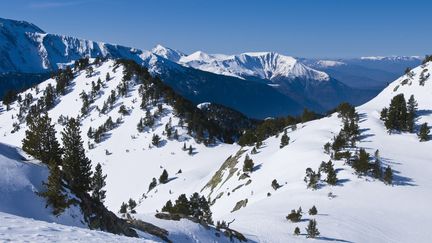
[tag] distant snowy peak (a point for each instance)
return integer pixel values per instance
(26, 48)
(21, 26)
(263, 65)
(329, 63)
(168, 53)
(391, 58)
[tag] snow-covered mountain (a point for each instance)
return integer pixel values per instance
(356, 209)
(373, 72)
(261, 65)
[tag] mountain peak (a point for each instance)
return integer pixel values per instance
(168, 53)
(17, 25)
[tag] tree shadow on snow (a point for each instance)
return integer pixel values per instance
(332, 239)
(363, 135)
(256, 167)
(398, 179)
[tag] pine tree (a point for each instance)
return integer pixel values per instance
(313, 210)
(40, 140)
(153, 184)
(296, 231)
(54, 192)
(294, 216)
(312, 230)
(123, 208)
(107, 77)
(388, 176)
(163, 177)
(182, 205)
(155, 140)
(284, 140)
(331, 174)
(190, 150)
(275, 184)
(397, 114)
(411, 109)
(76, 166)
(248, 164)
(132, 205)
(424, 132)
(98, 183)
(361, 164)
(168, 207)
(376, 169)
(49, 96)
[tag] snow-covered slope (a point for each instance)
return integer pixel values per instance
(361, 209)
(262, 65)
(19, 229)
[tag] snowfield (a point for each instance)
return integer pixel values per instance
(361, 209)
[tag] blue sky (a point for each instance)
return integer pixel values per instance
(305, 28)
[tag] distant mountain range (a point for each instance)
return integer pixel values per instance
(259, 84)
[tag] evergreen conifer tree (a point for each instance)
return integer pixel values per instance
(284, 140)
(132, 205)
(411, 109)
(296, 231)
(54, 192)
(155, 140)
(388, 176)
(313, 210)
(361, 164)
(153, 184)
(331, 174)
(40, 140)
(312, 230)
(76, 166)
(98, 183)
(163, 177)
(397, 114)
(248, 164)
(123, 208)
(424, 132)
(376, 169)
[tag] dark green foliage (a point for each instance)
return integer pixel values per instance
(156, 140)
(182, 205)
(424, 132)
(123, 208)
(168, 207)
(312, 230)
(132, 205)
(384, 114)
(275, 184)
(248, 164)
(76, 166)
(331, 174)
(327, 147)
(376, 169)
(294, 216)
(40, 140)
(313, 210)
(190, 150)
(312, 178)
(308, 115)
(296, 231)
(85, 103)
(107, 77)
(284, 140)
(411, 109)
(49, 97)
(388, 176)
(82, 63)
(98, 183)
(218, 123)
(153, 184)
(54, 192)
(63, 78)
(361, 163)
(197, 206)
(163, 177)
(397, 114)
(8, 98)
(123, 110)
